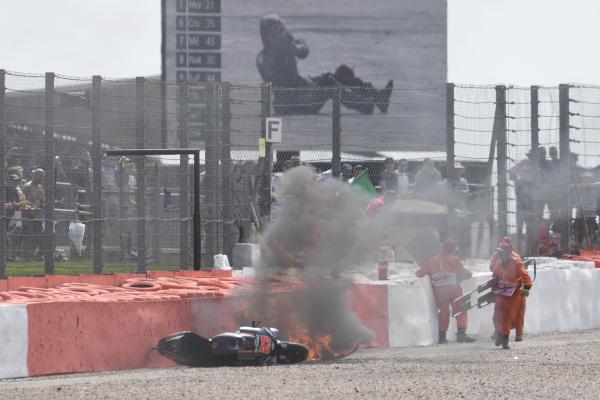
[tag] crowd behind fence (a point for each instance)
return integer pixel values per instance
(65, 197)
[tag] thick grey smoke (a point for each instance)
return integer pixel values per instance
(319, 231)
(320, 226)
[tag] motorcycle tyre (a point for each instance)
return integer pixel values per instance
(291, 353)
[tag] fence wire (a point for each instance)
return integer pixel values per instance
(65, 199)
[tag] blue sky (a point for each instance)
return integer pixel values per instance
(489, 41)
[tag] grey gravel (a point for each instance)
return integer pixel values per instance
(555, 366)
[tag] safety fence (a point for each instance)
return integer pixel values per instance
(541, 151)
(66, 198)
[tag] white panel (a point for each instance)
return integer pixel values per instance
(564, 301)
(13, 341)
(561, 301)
(411, 313)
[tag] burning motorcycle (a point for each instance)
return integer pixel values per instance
(250, 345)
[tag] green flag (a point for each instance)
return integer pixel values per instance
(362, 181)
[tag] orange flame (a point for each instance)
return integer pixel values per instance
(319, 347)
(278, 314)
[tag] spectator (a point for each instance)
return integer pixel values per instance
(457, 181)
(81, 178)
(346, 172)
(586, 198)
(109, 177)
(459, 186)
(389, 177)
(402, 174)
(554, 161)
(384, 202)
(287, 165)
(358, 169)
(522, 175)
(59, 170)
(550, 174)
(110, 188)
(33, 191)
(12, 162)
(14, 199)
(542, 157)
(576, 171)
(427, 179)
(295, 161)
(128, 184)
(82, 174)
(14, 196)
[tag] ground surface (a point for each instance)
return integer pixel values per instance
(545, 366)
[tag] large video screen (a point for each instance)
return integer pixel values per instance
(399, 40)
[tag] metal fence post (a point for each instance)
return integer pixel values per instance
(565, 168)
(228, 239)
(501, 161)
(48, 236)
(450, 228)
(449, 130)
(2, 176)
(533, 221)
(265, 189)
(182, 133)
(211, 179)
(336, 132)
(163, 115)
(197, 228)
(141, 175)
(96, 176)
(155, 211)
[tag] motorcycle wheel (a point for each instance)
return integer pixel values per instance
(187, 348)
(291, 353)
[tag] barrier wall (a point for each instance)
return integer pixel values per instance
(67, 337)
(560, 301)
(13, 341)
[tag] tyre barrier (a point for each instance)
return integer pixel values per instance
(133, 289)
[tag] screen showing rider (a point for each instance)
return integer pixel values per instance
(277, 64)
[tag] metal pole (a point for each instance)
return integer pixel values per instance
(48, 236)
(211, 179)
(265, 190)
(163, 115)
(3, 235)
(449, 130)
(533, 223)
(156, 209)
(197, 221)
(96, 176)
(124, 225)
(141, 176)
(182, 133)
(228, 240)
(565, 151)
(336, 132)
(451, 228)
(501, 162)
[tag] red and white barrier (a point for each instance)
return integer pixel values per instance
(83, 336)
